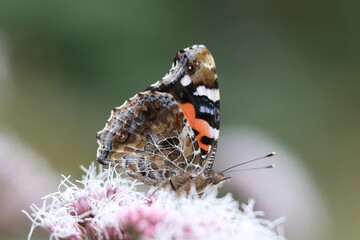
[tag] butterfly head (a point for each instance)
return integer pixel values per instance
(216, 179)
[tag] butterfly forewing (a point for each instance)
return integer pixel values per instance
(193, 82)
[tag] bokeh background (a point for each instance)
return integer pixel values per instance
(289, 69)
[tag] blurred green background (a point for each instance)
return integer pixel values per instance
(290, 68)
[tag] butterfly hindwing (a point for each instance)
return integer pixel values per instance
(150, 139)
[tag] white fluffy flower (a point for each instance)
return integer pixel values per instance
(107, 206)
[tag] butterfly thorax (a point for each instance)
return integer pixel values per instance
(201, 182)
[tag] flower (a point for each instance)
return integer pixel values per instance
(107, 205)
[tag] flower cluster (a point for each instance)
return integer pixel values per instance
(107, 206)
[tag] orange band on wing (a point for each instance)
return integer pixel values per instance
(203, 128)
(200, 125)
(189, 112)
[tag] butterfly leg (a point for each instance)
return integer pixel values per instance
(172, 185)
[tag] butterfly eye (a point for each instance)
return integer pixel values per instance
(122, 136)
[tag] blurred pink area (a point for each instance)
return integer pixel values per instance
(25, 178)
(286, 190)
(24, 175)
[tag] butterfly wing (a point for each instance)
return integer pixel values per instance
(170, 129)
(192, 81)
(150, 138)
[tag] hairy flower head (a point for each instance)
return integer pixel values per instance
(106, 205)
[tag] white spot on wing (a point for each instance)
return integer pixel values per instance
(214, 133)
(212, 94)
(185, 81)
(207, 65)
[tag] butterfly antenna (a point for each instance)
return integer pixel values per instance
(255, 168)
(252, 160)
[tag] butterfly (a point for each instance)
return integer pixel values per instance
(167, 135)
